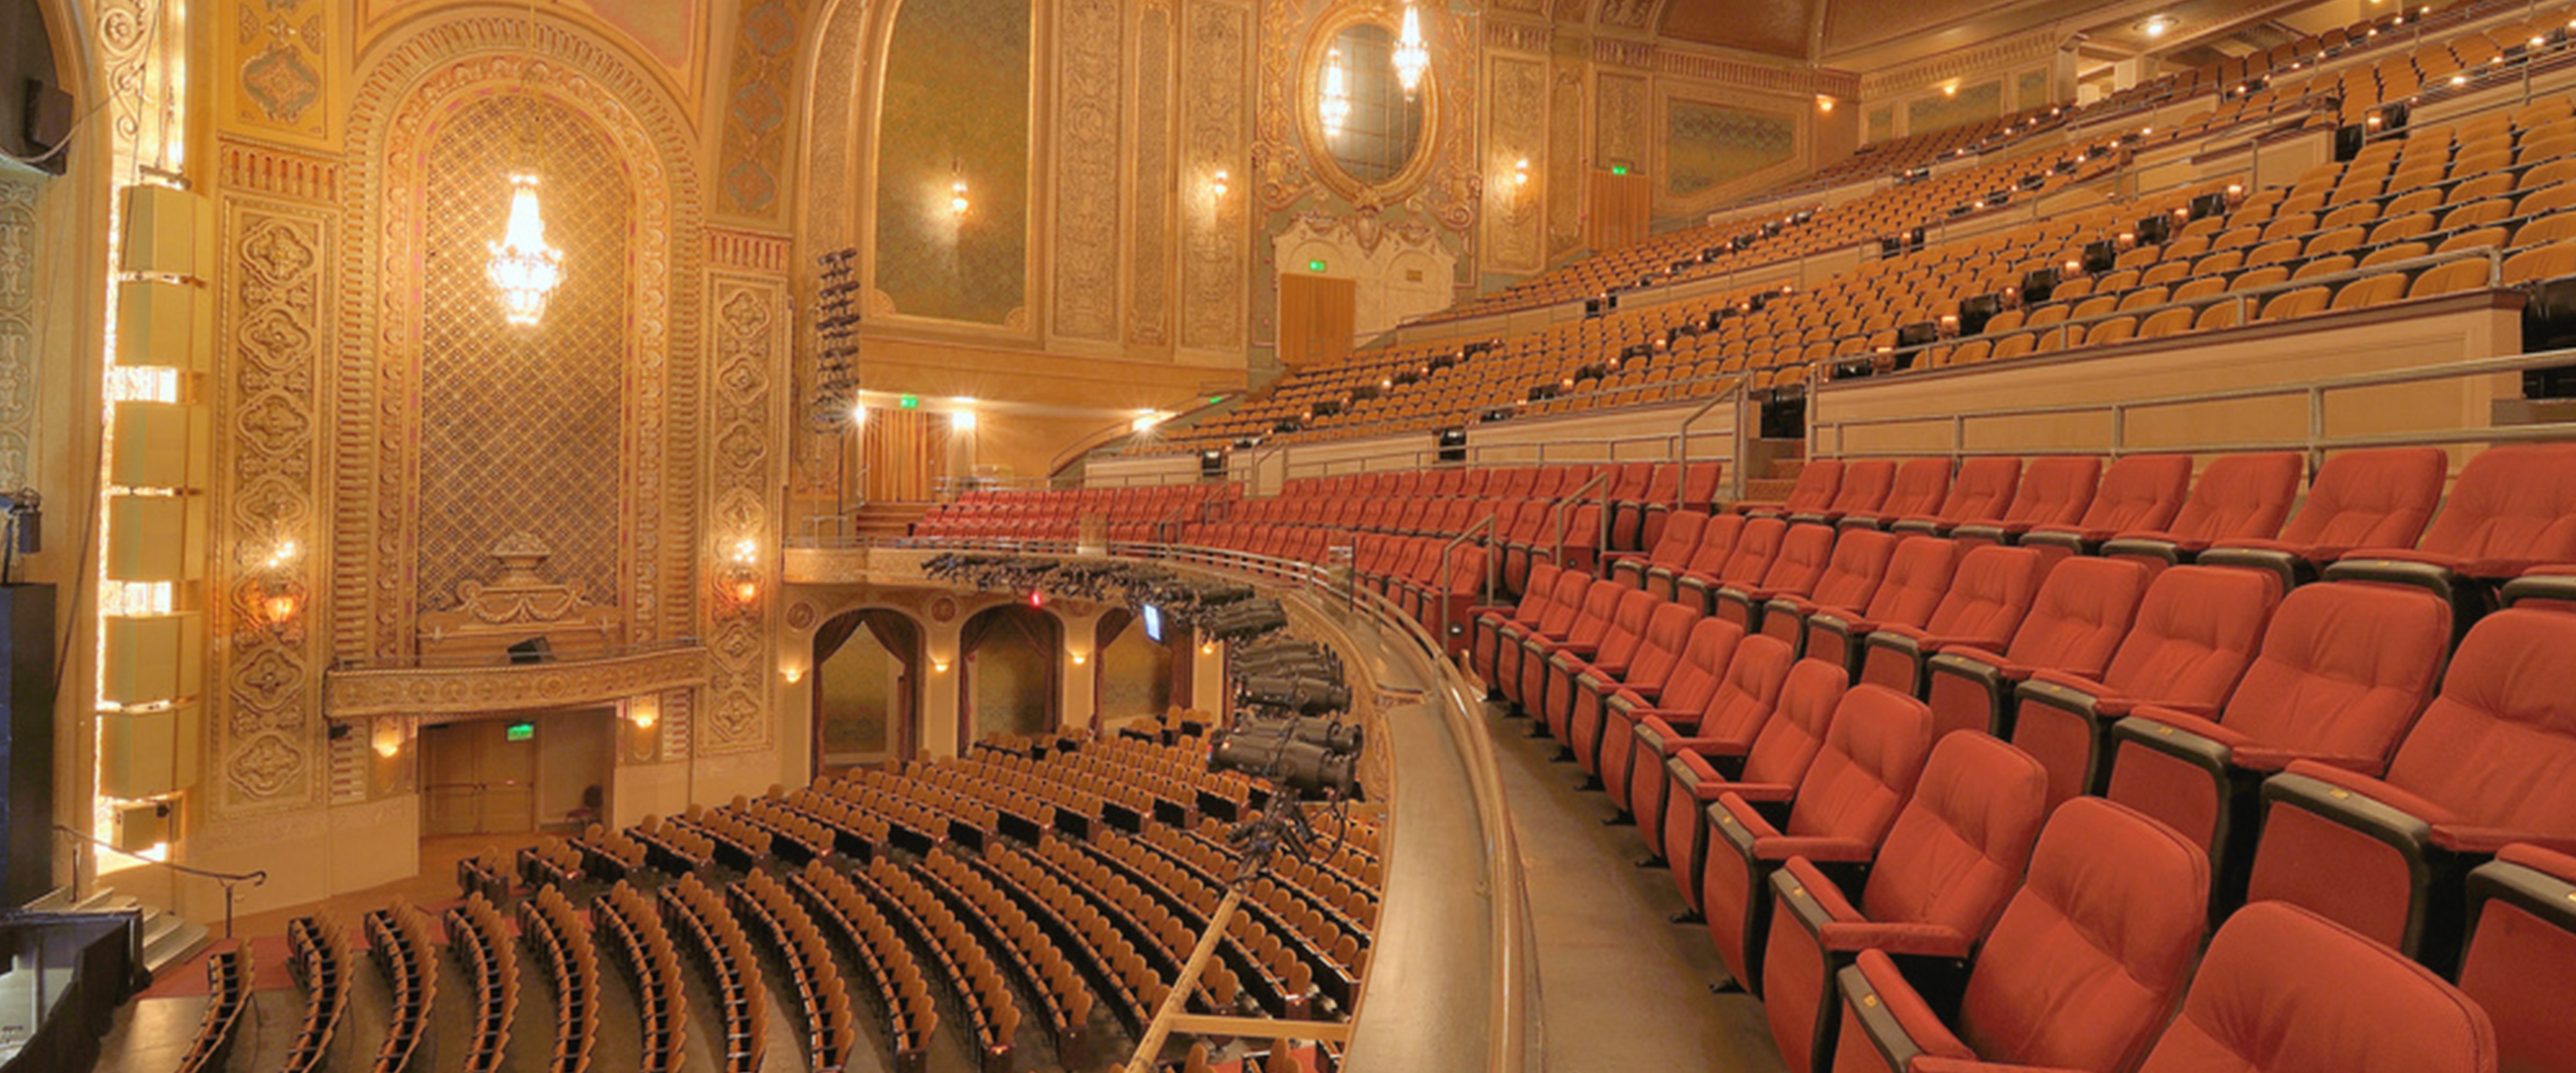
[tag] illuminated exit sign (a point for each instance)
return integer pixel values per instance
(1314, 266)
(522, 732)
(1618, 169)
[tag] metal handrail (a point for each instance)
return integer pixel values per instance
(1482, 528)
(227, 880)
(2315, 442)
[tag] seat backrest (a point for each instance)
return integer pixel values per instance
(2139, 492)
(2086, 961)
(1805, 552)
(2377, 498)
(2521, 960)
(1918, 575)
(1958, 849)
(2343, 670)
(1702, 664)
(1699, 483)
(1853, 575)
(1659, 649)
(1749, 693)
(1872, 756)
(1536, 595)
(1592, 617)
(1717, 542)
(1798, 722)
(2079, 616)
(2498, 746)
(2240, 496)
(1819, 480)
(1984, 489)
(1920, 485)
(2283, 990)
(2515, 502)
(1865, 485)
(1989, 595)
(2055, 490)
(2196, 631)
(1631, 480)
(1681, 535)
(1755, 547)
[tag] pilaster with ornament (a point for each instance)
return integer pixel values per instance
(284, 59)
(746, 414)
(759, 107)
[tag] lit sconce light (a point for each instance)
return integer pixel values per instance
(1037, 598)
(938, 666)
(859, 415)
(2127, 240)
(644, 712)
(792, 673)
(741, 578)
(280, 598)
(1949, 89)
(2156, 27)
(388, 739)
(1080, 657)
(2074, 268)
(2146, 131)
(1520, 172)
(957, 202)
(1219, 184)
(523, 267)
(1824, 103)
(1146, 420)
(962, 420)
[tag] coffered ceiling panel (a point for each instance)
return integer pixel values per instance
(1772, 27)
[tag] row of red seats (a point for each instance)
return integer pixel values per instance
(1653, 664)
(1055, 514)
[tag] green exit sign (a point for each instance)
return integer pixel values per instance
(1618, 169)
(522, 732)
(909, 402)
(1314, 266)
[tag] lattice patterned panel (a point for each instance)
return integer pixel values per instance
(522, 428)
(1710, 145)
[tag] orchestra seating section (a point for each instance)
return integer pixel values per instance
(2405, 212)
(1044, 890)
(1902, 732)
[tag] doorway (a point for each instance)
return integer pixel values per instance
(1011, 684)
(509, 776)
(866, 693)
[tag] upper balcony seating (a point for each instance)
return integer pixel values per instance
(1949, 861)
(2195, 633)
(2343, 671)
(2492, 761)
(2512, 509)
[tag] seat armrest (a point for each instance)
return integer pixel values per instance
(1814, 848)
(1893, 1016)
(1970, 1065)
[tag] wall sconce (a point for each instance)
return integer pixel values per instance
(792, 673)
(938, 666)
(1080, 658)
(962, 420)
(1824, 103)
(859, 415)
(280, 597)
(644, 712)
(741, 573)
(388, 739)
(1207, 648)
(1520, 172)
(1949, 89)
(1146, 420)
(957, 202)
(1218, 185)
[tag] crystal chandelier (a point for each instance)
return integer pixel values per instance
(1335, 108)
(524, 268)
(1412, 57)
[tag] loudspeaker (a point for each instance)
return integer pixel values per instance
(1453, 445)
(48, 122)
(532, 650)
(27, 742)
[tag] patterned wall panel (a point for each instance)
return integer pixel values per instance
(1882, 125)
(1216, 119)
(1087, 151)
(521, 427)
(1565, 177)
(18, 368)
(941, 120)
(1708, 145)
(2030, 90)
(750, 336)
(1149, 314)
(280, 56)
(1982, 101)
(1518, 116)
(1621, 127)
(276, 303)
(759, 104)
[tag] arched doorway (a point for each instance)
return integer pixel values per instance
(867, 689)
(1011, 684)
(1138, 675)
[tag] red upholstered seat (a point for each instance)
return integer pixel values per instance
(2512, 510)
(2284, 990)
(1806, 551)
(1949, 861)
(2138, 492)
(1918, 489)
(1698, 494)
(1818, 481)
(1672, 548)
(1567, 534)
(1498, 630)
(2075, 624)
(1989, 595)
(1837, 813)
(2054, 491)
(1984, 488)
(1658, 654)
(1918, 576)
(2195, 633)
(1582, 630)
(2238, 497)
(1717, 540)
(1443, 603)
(1608, 658)
(2492, 761)
(2521, 960)
(2378, 498)
(2343, 670)
(1864, 488)
(1756, 545)
(1787, 730)
(2079, 973)
(1693, 684)
(1663, 485)
(1851, 579)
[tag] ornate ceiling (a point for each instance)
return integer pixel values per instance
(1871, 34)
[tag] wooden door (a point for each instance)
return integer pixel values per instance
(476, 780)
(1316, 315)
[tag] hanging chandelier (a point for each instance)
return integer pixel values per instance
(1412, 57)
(524, 268)
(1335, 107)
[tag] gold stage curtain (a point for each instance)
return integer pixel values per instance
(904, 452)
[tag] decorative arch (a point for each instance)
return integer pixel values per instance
(905, 643)
(412, 79)
(1032, 642)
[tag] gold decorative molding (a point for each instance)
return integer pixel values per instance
(750, 336)
(1149, 319)
(1087, 91)
(1565, 178)
(1517, 131)
(1990, 57)
(360, 693)
(1216, 121)
(249, 167)
(1520, 36)
(730, 249)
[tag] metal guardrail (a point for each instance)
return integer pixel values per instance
(84, 842)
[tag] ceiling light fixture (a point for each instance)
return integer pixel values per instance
(1334, 107)
(1412, 56)
(523, 267)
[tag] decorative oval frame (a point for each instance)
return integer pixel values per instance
(1310, 127)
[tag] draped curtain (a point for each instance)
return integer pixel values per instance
(903, 454)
